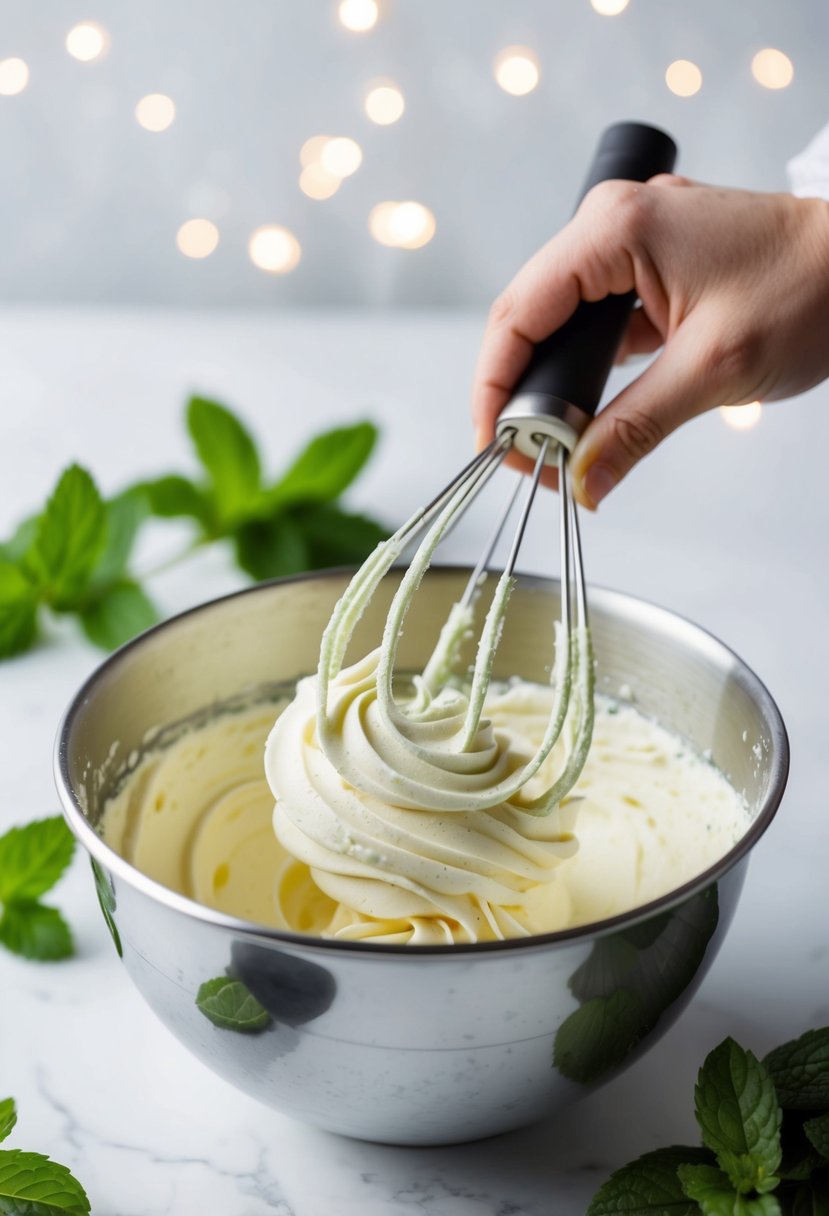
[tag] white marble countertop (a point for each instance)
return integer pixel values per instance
(728, 528)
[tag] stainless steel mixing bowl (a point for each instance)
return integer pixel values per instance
(433, 1044)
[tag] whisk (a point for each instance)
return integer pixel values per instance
(449, 755)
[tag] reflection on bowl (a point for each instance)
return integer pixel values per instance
(414, 1045)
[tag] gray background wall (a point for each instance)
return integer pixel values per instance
(90, 203)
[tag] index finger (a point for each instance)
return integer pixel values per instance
(594, 256)
(538, 301)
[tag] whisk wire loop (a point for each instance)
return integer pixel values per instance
(442, 745)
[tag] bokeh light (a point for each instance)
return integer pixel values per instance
(341, 156)
(741, 417)
(609, 8)
(274, 249)
(402, 225)
(683, 78)
(772, 69)
(311, 150)
(384, 103)
(155, 112)
(317, 182)
(87, 41)
(197, 238)
(516, 70)
(359, 15)
(14, 76)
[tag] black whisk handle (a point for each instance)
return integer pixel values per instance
(567, 374)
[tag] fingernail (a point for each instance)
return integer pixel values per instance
(599, 480)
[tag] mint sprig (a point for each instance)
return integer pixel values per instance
(765, 1128)
(650, 1186)
(712, 1190)
(8, 1117)
(739, 1116)
(76, 556)
(34, 1185)
(32, 859)
(68, 540)
(73, 558)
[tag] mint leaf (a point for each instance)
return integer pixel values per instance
(599, 1036)
(657, 959)
(712, 1190)
(21, 540)
(228, 453)
(33, 1185)
(124, 516)
(271, 549)
(35, 931)
(8, 1117)
(335, 537)
(649, 1186)
(33, 857)
(800, 1071)
(18, 610)
(227, 1003)
(70, 536)
(738, 1113)
(117, 615)
(174, 496)
(817, 1131)
(327, 466)
(106, 898)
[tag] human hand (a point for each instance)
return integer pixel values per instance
(733, 285)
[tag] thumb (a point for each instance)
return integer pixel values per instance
(677, 386)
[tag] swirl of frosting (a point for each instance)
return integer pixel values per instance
(401, 870)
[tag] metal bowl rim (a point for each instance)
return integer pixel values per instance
(629, 605)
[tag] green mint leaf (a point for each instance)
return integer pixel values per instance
(739, 1116)
(35, 931)
(271, 549)
(173, 497)
(335, 537)
(229, 455)
(21, 540)
(33, 857)
(649, 1186)
(124, 516)
(18, 610)
(817, 1132)
(800, 1071)
(8, 1117)
(599, 1036)
(326, 467)
(812, 1198)
(117, 615)
(712, 1190)
(227, 1003)
(69, 539)
(656, 959)
(34, 1185)
(106, 898)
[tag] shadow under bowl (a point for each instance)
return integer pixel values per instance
(417, 1045)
